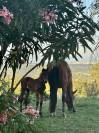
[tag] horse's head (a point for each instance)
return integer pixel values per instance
(44, 75)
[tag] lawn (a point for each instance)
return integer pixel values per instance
(85, 120)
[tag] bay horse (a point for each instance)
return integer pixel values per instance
(60, 76)
(34, 85)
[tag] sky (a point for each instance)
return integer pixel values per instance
(88, 2)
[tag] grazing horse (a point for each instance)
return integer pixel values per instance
(34, 85)
(60, 76)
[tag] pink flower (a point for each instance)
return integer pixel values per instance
(31, 112)
(3, 118)
(7, 15)
(49, 16)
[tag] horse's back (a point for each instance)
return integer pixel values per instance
(63, 65)
(27, 82)
(60, 74)
(65, 73)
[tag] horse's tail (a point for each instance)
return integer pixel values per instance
(70, 96)
(70, 86)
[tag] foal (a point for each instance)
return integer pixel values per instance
(34, 85)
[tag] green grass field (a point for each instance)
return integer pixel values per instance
(85, 120)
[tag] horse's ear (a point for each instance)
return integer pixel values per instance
(45, 81)
(43, 70)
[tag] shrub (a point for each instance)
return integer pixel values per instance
(11, 119)
(86, 86)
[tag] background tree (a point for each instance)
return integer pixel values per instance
(54, 29)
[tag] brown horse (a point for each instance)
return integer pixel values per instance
(60, 76)
(34, 85)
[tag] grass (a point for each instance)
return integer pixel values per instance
(85, 120)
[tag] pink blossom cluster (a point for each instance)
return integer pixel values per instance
(31, 112)
(49, 16)
(6, 15)
(3, 118)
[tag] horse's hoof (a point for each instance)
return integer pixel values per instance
(74, 110)
(63, 114)
(40, 114)
(52, 114)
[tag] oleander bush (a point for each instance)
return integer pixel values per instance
(11, 119)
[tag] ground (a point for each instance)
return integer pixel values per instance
(85, 120)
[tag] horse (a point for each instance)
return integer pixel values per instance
(34, 85)
(60, 76)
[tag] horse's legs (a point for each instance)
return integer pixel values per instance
(63, 102)
(53, 99)
(41, 102)
(26, 98)
(37, 100)
(21, 99)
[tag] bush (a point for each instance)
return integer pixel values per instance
(86, 86)
(94, 71)
(91, 88)
(11, 119)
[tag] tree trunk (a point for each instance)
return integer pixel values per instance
(13, 78)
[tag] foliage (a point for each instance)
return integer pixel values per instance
(15, 120)
(95, 8)
(87, 85)
(30, 32)
(18, 123)
(63, 31)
